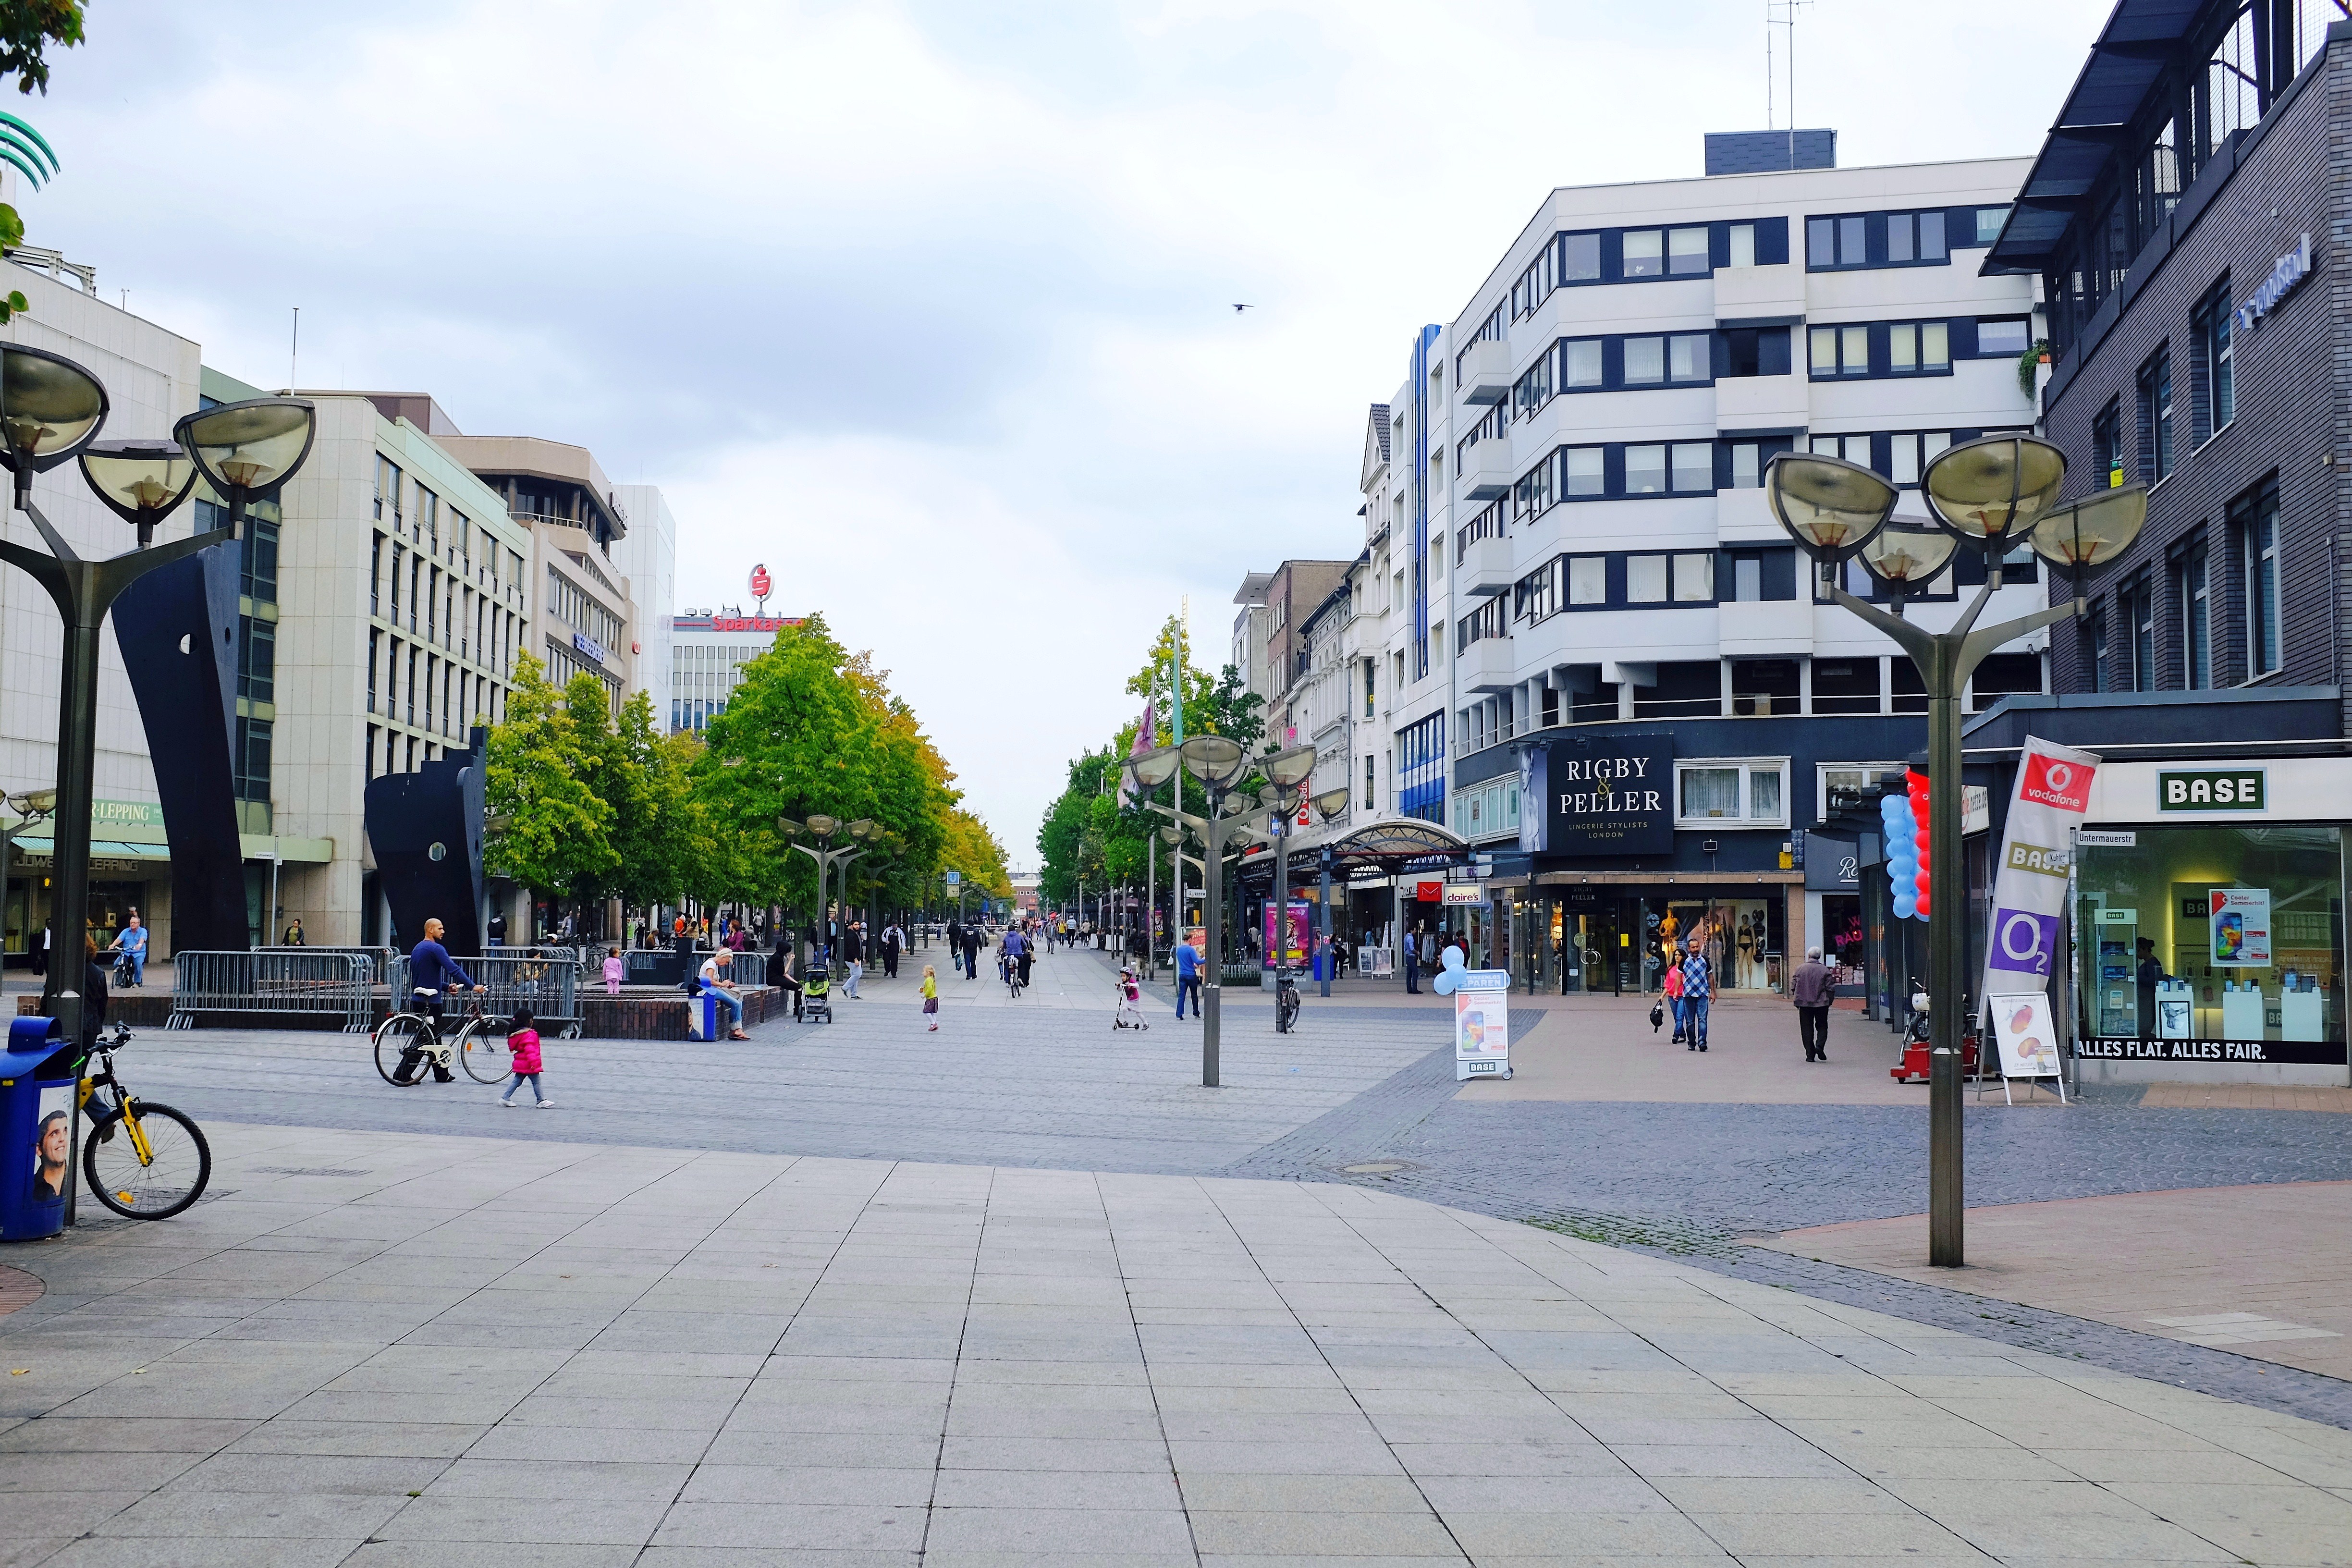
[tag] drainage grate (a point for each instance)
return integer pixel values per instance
(307, 1171)
(1377, 1168)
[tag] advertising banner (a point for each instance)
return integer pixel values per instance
(1298, 929)
(2241, 928)
(1482, 1024)
(2028, 890)
(2029, 1040)
(1609, 794)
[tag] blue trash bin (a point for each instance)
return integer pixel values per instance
(37, 1080)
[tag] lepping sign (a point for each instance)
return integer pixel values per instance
(2028, 890)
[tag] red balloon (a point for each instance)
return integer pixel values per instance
(1922, 905)
(1920, 881)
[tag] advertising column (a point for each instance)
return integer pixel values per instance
(2029, 899)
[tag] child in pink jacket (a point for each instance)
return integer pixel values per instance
(523, 1039)
(615, 970)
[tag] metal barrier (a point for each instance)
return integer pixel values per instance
(659, 966)
(379, 959)
(338, 985)
(547, 985)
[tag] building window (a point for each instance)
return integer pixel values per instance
(387, 492)
(1732, 792)
(2215, 395)
(256, 662)
(1645, 579)
(1588, 579)
(2102, 676)
(2255, 515)
(375, 575)
(1752, 350)
(1911, 348)
(2136, 603)
(1876, 239)
(2106, 443)
(1742, 236)
(2191, 591)
(2155, 419)
(2002, 337)
(252, 760)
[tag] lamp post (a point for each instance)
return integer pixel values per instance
(823, 828)
(30, 807)
(1329, 805)
(1288, 770)
(50, 412)
(1990, 495)
(1218, 762)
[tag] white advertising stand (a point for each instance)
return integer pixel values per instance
(1482, 1024)
(2028, 1038)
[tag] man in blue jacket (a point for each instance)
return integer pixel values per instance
(431, 973)
(1188, 976)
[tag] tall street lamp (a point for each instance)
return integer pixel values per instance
(50, 412)
(1987, 495)
(32, 806)
(1329, 805)
(822, 828)
(1288, 772)
(1218, 762)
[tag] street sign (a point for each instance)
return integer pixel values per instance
(955, 879)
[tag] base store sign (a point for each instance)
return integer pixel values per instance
(1482, 1024)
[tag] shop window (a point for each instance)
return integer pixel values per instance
(1736, 793)
(2158, 962)
(1849, 786)
(2003, 675)
(1688, 689)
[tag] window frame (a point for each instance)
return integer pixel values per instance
(1747, 767)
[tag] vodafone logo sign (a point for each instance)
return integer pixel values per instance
(2052, 782)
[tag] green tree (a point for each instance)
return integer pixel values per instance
(541, 788)
(27, 30)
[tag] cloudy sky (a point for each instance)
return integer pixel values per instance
(927, 305)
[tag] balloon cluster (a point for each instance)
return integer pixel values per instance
(1904, 819)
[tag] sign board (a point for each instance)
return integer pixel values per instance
(1428, 892)
(1482, 1024)
(1602, 795)
(588, 647)
(1465, 895)
(760, 582)
(2106, 838)
(955, 879)
(1298, 935)
(2240, 929)
(2211, 789)
(2027, 1035)
(1832, 865)
(2287, 272)
(2028, 890)
(2130, 1048)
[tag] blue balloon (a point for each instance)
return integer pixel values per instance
(1904, 909)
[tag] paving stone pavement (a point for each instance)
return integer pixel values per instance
(1044, 1081)
(387, 1348)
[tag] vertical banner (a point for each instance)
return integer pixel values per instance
(1482, 1024)
(2028, 890)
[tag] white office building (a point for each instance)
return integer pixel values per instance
(1568, 557)
(708, 652)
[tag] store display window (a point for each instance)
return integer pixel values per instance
(2214, 934)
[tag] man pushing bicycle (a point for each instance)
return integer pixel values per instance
(431, 973)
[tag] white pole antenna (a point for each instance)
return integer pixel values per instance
(294, 353)
(1787, 17)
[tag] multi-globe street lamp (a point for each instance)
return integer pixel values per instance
(1218, 762)
(1990, 495)
(1288, 771)
(1328, 805)
(51, 411)
(823, 827)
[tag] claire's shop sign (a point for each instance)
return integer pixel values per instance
(2287, 273)
(1611, 796)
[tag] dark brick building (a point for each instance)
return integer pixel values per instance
(2188, 215)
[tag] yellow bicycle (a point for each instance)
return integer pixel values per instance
(142, 1160)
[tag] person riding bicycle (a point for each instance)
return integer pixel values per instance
(1016, 952)
(431, 973)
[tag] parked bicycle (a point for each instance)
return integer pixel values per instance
(1011, 968)
(141, 1159)
(408, 1044)
(1286, 997)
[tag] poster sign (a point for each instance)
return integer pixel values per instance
(2241, 928)
(52, 1142)
(1298, 928)
(2028, 1039)
(1482, 1024)
(2029, 892)
(1465, 895)
(1611, 794)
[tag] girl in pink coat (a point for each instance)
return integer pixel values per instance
(615, 971)
(523, 1039)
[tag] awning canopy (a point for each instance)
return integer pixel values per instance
(1395, 844)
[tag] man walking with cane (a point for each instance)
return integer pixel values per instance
(1812, 990)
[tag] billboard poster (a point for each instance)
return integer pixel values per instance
(1482, 1024)
(2029, 892)
(2029, 1039)
(52, 1140)
(2241, 928)
(1296, 954)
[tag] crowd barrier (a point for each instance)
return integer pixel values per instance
(659, 966)
(277, 980)
(546, 983)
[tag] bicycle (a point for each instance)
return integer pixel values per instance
(141, 1159)
(413, 1040)
(1285, 998)
(1011, 967)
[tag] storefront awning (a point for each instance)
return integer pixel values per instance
(255, 845)
(1398, 844)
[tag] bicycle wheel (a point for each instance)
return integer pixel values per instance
(394, 1036)
(158, 1184)
(1287, 1006)
(478, 1048)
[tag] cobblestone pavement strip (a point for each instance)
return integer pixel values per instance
(1043, 1081)
(466, 1350)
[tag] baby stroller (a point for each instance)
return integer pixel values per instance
(1130, 999)
(816, 995)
